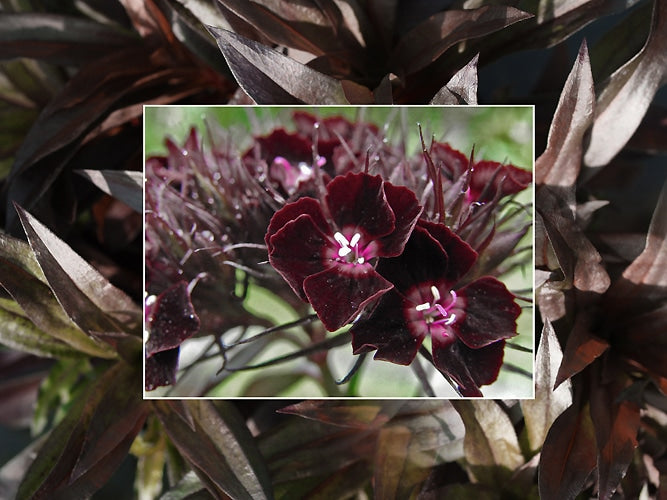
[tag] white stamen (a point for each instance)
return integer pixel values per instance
(450, 319)
(361, 260)
(355, 239)
(343, 251)
(436, 294)
(341, 239)
(423, 307)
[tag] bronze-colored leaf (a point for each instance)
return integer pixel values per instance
(431, 38)
(549, 402)
(83, 436)
(220, 448)
(490, 445)
(88, 298)
(568, 456)
(628, 94)
(616, 425)
(559, 164)
(461, 88)
(582, 348)
(270, 77)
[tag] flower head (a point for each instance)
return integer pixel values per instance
(327, 251)
(467, 324)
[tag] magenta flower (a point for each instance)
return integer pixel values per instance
(327, 251)
(467, 324)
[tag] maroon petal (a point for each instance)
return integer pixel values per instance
(461, 255)
(490, 178)
(172, 321)
(358, 200)
(161, 369)
(469, 368)
(386, 331)
(293, 147)
(291, 211)
(453, 162)
(296, 251)
(338, 294)
(406, 209)
(489, 313)
(423, 261)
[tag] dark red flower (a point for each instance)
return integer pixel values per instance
(327, 251)
(171, 320)
(488, 179)
(467, 324)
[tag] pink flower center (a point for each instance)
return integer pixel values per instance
(349, 251)
(435, 312)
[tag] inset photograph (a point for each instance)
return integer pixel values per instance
(339, 252)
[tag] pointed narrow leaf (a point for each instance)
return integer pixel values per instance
(616, 426)
(568, 456)
(645, 276)
(19, 253)
(270, 77)
(59, 39)
(540, 413)
(20, 334)
(415, 50)
(391, 460)
(126, 186)
(87, 297)
(559, 164)
(220, 448)
(49, 476)
(491, 446)
(582, 348)
(628, 94)
(356, 414)
(43, 309)
(461, 88)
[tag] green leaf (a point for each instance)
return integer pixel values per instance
(19, 333)
(127, 186)
(87, 297)
(220, 448)
(540, 413)
(42, 308)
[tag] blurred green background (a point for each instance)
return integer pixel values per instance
(498, 133)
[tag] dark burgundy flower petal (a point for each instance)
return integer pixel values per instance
(489, 313)
(422, 260)
(297, 250)
(386, 331)
(358, 201)
(291, 211)
(453, 162)
(339, 293)
(293, 147)
(173, 319)
(469, 368)
(161, 369)
(490, 178)
(461, 255)
(407, 210)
